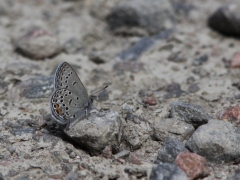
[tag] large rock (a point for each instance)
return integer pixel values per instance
(217, 141)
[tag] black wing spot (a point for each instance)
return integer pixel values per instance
(66, 108)
(66, 81)
(77, 97)
(63, 105)
(66, 94)
(70, 101)
(61, 101)
(66, 86)
(74, 115)
(69, 92)
(74, 83)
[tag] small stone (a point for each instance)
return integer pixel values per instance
(226, 19)
(190, 80)
(34, 88)
(193, 165)
(173, 87)
(38, 43)
(122, 154)
(189, 113)
(231, 114)
(193, 88)
(134, 159)
(151, 101)
(143, 15)
(107, 152)
(98, 57)
(102, 127)
(200, 60)
(169, 150)
(164, 128)
(217, 141)
(235, 60)
(167, 171)
(72, 155)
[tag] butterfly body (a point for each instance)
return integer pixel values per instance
(70, 100)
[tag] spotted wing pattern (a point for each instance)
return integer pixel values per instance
(67, 78)
(70, 99)
(66, 106)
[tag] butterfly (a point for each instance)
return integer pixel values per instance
(70, 100)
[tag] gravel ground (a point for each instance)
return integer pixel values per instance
(171, 107)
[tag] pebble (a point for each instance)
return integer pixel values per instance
(38, 43)
(231, 114)
(169, 150)
(193, 165)
(151, 101)
(167, 171)
(200, 60)
(107, 152)
(189, 113)
(164, 128)
(103, 128)
(34, 88)
(217, 141)
(143, 15)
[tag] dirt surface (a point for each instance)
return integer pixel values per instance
(29, 148)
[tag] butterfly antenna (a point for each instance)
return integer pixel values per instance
(100, 90)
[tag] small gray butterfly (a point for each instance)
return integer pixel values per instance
(70, 100)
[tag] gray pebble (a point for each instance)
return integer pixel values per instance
(190, 113)
(174, 128)
(170, 149)
(167, 171)
(216, 141)
(97, 131)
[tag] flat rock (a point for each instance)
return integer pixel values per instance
(217, 141)
(164, 128)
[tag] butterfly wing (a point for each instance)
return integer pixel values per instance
(67, 78)
(67, 106)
